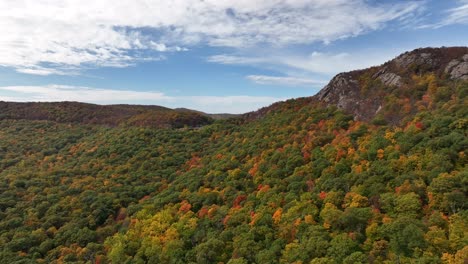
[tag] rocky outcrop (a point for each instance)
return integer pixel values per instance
(344, 91)
(366, 93)
(413, 59)
(365, 99)
(338, 88)
(458, 68)
(388, 78)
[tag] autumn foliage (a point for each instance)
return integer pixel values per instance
(295, 183)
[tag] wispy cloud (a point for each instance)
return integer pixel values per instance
(452, 16)
(285, 80)
(226, 104)
(41, 37)
(331, 63)
(44, 71)
(237, 60)
(81, 94)
(457, 15)
(315, 63)
(210, 104)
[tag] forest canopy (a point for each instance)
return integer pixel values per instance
(299, 183)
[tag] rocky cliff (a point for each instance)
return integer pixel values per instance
(362, 93)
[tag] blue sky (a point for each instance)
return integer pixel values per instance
(214, 55)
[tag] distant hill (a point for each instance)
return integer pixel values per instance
(112, 115)
(218, 116)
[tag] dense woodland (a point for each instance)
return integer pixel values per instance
(303, 183)
(110, 115)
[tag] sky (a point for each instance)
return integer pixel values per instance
(216, 56)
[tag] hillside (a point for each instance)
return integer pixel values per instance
(111, 115)
(371, 170)
(392, 91)
(386, 90)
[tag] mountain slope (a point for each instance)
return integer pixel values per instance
(364, 93)
(391, 91)
(301, 181)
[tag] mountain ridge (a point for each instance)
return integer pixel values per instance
(111, 115)
(349, 90)
(362, 92)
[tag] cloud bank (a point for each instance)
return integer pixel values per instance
(456, 15)
(284, 80)
(209, 104)
(61, 37)
(296, 66)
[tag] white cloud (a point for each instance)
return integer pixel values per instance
(315, 63)
(457, 15)
(237, 60)
(209, 104)
(81, 94)
(452, 16)
(310, 70)
(41, 36)
(285, 80)
(226, 104)
(37, 70)
(330, 64)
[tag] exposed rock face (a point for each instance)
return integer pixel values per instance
(344, 91)
(388, 78)
(347, 92)
(458, 68)
(341, 83)
(416, 59)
